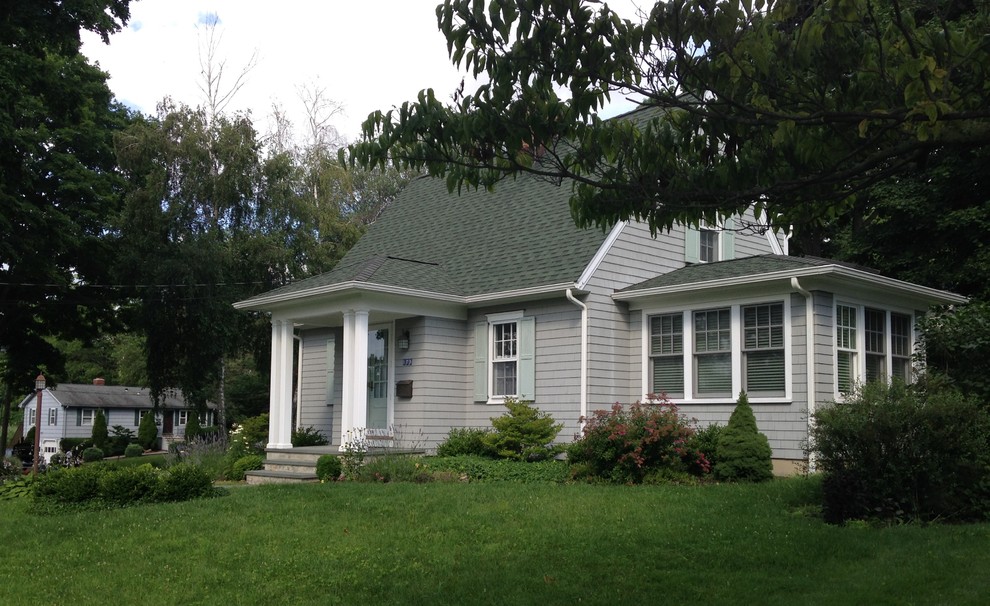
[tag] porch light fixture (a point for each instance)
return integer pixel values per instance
(404, 340)
(39, 386)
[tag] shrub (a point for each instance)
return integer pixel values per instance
(92, 454)
(627, 444)
(205, 452)
(896, 452)
(743, 452)
(70, 485)
(523, 433)
(246, 463)
(133, 450)
(100, 435)
(705, 441)
(67, 444)
(308, 436)
(148, 432)
(183, 482)
(328, 468)
(482, 469)
(392, 468)
(11, 468)
(120, 437)
(127, 485)
(254, 433)
(193, 428)
(465, 441)
(956, 342)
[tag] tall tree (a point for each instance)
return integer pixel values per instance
(795, 106)
(58, 186)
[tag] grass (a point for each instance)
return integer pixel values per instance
(497, 543)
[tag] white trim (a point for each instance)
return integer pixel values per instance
(860, 306)
(504, 316)
(735, 348)
(832, 271)
(603, 251)
(811, 393)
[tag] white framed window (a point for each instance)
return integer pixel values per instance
(667, 355)
(87, 416)
(29, 417)
(871, 344)
(713, 353)
(504, 358)
(741, 347)
(710, 243)
(53, 416)
(764, 357)
(182, 417)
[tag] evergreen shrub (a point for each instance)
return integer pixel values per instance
(328, 468)
(465, 441)
(903, 453)
(133, 450)
(193, 428)
(92, 454)
(626, 444)
(246, 463)
(743, 453)
(101, 434)
(308, 436)
(148, 432)
(183, 482)
(523, 433)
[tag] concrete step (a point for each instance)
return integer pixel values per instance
(291, 465)
(293, 455)
(264, 476)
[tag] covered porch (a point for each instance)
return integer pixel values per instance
(360, 347)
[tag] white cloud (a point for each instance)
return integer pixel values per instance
(368, 55)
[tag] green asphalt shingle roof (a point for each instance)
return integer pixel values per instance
(478, 242)
(736, 268)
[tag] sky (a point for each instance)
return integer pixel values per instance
(365, 54)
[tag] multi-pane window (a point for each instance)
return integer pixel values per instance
(713, 352)
(708, 251)
(53, 416)
(505, 358)
(845, 338)
(183, 417)
(667, 355)
(875, 328)
(900, 347)
(88, 414)
(763, 350)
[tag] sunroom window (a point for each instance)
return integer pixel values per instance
(713, 352)
(763, 349)
(667, 354)
(900, 347)
(845, 337)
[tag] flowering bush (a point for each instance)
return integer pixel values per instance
(629, 444)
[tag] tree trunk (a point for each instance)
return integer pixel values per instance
(6, 416)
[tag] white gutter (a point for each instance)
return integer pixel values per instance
(584, 354)
(809, 341)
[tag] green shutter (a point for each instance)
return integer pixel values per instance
(137, 417)
(481, 362)
(692, 244)
(78, 417)
(728, 240)
(331, 362)
(527, 358)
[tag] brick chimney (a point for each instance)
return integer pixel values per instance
(99, 381)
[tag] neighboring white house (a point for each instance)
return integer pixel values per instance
(68, 411)
(450, 303)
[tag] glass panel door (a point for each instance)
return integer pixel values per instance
(378, 379)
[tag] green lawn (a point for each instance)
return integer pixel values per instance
(494, 543)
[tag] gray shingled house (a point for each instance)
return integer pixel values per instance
(68, 411)
(452, 302)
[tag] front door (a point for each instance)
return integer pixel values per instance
(378, 378)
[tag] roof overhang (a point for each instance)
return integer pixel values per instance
(838, 279)
(324, 306)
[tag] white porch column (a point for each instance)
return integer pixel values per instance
(354, 414)
(280, 404)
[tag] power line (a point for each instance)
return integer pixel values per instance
(113, 286)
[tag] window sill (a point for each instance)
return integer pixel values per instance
(733, 401)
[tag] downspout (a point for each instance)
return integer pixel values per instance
(584, 354)
(809, 342)
(298, 340)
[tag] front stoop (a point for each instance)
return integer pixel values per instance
(286, 466)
